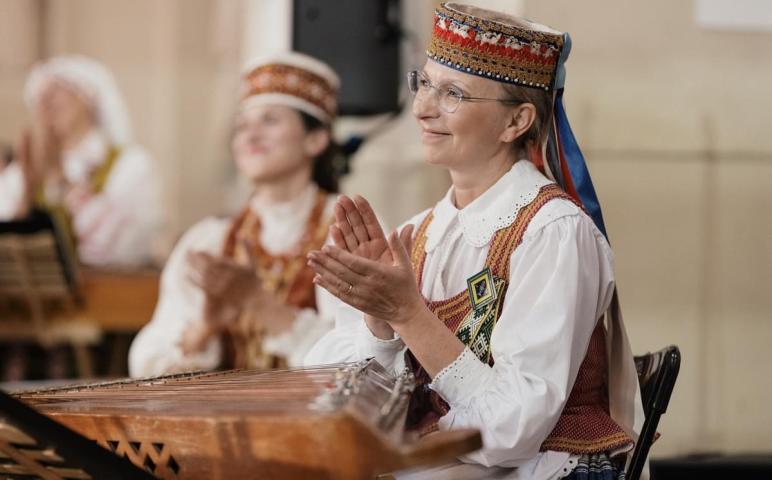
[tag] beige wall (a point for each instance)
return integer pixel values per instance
(20, 47)
(674, 121)
(176, 62)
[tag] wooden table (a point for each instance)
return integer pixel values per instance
(119, 301)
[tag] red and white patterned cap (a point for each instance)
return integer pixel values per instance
(292, 79)
(498, 46)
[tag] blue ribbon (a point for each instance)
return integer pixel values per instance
(560, 73)
(571, 152)
(576, 165)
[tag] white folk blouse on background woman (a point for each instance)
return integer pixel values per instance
(156, 349)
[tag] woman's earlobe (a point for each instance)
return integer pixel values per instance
(318, 142)
(525, 118)
(520, 122)
(512, 135)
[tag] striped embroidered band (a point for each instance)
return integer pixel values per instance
(495, 45)
(295, 80)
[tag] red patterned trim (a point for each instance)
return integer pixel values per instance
(504, 242)
(287, 277)
(585, 426)
(418, 253)
(508, 239)
(494, 50)
(292, 280)
(587, 446)
(294, 81)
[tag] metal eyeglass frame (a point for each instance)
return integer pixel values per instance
(414, 76)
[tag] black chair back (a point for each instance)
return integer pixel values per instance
(657, 373)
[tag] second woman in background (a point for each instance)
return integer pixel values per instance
(237, 292)
(79, 164)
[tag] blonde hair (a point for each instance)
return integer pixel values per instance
(542, 102)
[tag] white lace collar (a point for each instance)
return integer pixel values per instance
(79, 161)
(495, 209)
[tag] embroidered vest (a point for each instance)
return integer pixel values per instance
(585, 425)
(287, 276)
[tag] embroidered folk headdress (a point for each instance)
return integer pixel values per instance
(513, 50)
(292, 79)
(496, 46)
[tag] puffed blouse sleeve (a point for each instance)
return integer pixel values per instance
(156, 349)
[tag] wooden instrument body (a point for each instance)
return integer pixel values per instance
(343, 422)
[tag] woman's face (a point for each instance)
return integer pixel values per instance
(63, 110)
(473, 131)
(271, 143)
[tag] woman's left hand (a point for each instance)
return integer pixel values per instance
(232, 289)
(222, 277)
(385, 291)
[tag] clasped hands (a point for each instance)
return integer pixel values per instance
(232, 289)
(228, 286)
(38, 154)
(368, 270)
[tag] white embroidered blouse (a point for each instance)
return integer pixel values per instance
(156, 350)
(561, 283)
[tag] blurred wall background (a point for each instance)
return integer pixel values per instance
(674, 119)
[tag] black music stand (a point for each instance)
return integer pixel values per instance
(41, 221)
(33, 445)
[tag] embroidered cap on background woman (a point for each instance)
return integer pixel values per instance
(292, 79)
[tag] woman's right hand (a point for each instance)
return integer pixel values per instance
(38, 154)
(357, 230)
(47, 154)
(227, 285)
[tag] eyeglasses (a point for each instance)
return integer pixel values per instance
(450, 97)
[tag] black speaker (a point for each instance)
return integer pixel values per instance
(360, 39)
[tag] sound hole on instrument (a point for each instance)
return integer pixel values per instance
(154, 457)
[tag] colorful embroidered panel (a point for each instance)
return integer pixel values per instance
(495, 50)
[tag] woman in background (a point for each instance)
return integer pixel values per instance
(237, 292)
(79, 164)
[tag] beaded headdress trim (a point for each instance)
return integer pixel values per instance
(478, 42)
